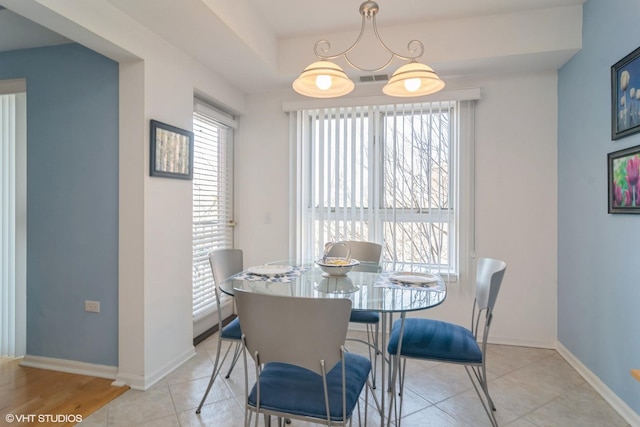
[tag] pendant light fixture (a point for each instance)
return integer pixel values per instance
(325, 79)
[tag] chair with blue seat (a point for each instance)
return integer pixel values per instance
(435, 340)
(224, 263)
(369, 254)
(302, 368)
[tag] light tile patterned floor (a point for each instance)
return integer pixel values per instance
(531, 387)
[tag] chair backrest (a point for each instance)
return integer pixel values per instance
(225, 263)
(294, 330)
(489, 274)
(360, 250)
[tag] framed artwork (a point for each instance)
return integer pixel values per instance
(625, 96)
(624, 180)
(171, 151)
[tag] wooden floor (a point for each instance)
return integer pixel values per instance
(41, 397)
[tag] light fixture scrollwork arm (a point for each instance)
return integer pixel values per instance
(324, 79)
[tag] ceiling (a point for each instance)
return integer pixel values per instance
(249, 34)
(287, 18)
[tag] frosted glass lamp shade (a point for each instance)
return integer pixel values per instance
(413, 79)
(323, 79)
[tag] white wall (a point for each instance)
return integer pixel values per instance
(515, 179)
(170, 80)
(516, 202)
(157, 81)
(262, 180)
(516, 198)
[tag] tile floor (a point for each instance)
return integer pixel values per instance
(531, 387)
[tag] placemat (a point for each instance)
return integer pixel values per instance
(286, 277)
(385, 281)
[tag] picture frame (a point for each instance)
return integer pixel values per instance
(624, 180)
(625, 96)
(171, 151)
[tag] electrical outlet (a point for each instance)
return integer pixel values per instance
(92, 306)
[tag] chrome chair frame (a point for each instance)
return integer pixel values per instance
(224, 263)
(489, 275)
(301, 339)
(368, 253)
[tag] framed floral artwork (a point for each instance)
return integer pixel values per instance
(625, 96)
(624, 180)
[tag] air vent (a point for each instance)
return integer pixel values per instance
(374, 78)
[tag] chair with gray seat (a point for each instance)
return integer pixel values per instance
(224, 263)
(369, 254)
(428, 339)
(302, 368)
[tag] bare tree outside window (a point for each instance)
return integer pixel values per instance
(416, 187)
(381, 174)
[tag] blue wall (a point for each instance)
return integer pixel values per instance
(72, 200)
(598, 257)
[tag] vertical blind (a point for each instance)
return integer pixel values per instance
(12, 225)
(212, 199)
(383, 174)
(7, 225)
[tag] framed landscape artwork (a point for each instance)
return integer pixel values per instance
(624, 180)
(625, 96)
(171, 151)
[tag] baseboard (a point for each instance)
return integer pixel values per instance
(601, 388)
(136, 382)
(169, 367)
(143, 383)
(70, 366)
(209, 319)
(519, 342)
(211, 331)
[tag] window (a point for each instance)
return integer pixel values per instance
(381, 173)
(418, 205)
(212, 200)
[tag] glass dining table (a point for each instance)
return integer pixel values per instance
(370, 287)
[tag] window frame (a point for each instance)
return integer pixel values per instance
(423, 215)
(205, 311)
(461, 173)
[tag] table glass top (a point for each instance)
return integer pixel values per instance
(367, 286)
